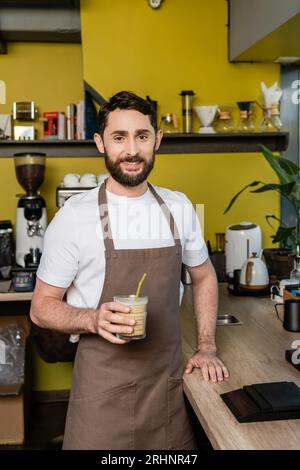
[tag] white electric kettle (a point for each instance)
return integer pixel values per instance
(254, 274)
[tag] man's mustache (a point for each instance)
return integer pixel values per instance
(131, 159)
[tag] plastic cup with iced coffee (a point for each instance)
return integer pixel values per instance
(138, 312)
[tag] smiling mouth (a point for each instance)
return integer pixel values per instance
(131, 166)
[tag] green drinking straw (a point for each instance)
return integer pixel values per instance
(140, 285)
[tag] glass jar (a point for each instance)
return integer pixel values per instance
(267, 125)
(275, 117)
(246, 123)
(168, 123)
(271, 120)
(224, 122)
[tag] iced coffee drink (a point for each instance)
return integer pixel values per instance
(138, 312)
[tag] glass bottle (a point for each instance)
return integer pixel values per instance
(220, 242)
(224, 122)
(295, 273)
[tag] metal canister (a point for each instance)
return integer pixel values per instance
(187, 110)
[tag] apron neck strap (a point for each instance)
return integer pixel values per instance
(168, 215)
(105, 222)
(104, 218)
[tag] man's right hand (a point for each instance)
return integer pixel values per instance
(109, 320)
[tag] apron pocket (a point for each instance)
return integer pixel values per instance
(179, 429)
(102, 422)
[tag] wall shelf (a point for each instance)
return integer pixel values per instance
(171, 144)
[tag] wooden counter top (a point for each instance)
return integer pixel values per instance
(15, 296)
(254, 353)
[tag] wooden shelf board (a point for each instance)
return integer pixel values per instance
(171, 144)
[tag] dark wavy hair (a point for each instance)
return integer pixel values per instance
(126, 100)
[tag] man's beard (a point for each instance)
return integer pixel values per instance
(128, 179)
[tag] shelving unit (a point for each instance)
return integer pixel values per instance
(171, 144)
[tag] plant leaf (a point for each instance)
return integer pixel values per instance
(272, 217)
(296, 193)
(288, 166)
(285, 189)
(283, 233)
(254, 183)
(284, 169)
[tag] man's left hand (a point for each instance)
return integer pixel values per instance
(211, 366)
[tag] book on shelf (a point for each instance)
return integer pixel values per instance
(80, 121)
(54, 125)
(71, 121)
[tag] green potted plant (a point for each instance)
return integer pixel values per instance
(280, 261)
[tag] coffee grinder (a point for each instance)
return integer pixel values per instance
(31, 219)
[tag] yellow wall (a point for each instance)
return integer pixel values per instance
(127, 45)
(182, 45)
(51, 75)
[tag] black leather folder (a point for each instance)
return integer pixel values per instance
(264, 402)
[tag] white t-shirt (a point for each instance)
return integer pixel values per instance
(73, 252)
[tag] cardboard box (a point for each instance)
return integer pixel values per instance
(14, 397)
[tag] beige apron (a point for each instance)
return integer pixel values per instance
(130, 396)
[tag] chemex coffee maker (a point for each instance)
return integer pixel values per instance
(31, 220)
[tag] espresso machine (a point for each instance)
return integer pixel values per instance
(31, 221)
